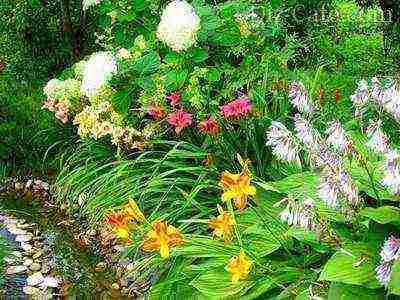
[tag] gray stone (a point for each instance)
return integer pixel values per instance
(26, 247)
(35, 279)
(23, 238)
(37, 254)
(13, 229)
(49, 282)
(16, 253)
(35, 267)
(30, 290)
(28, 262)
(16, 269)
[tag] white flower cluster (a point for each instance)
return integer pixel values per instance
(179, 25)
(300, 99)
(337, 183)
(282, 142)
(299, 214)
(88, 3)
(384, 96)
(98, 70)
(390, 252)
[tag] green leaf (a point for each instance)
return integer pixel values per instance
(351, 266)
(340, 291)
(307, 237)
(383, 214)
(394, 283)
(198, 55)
(262, 285)
(147, 64)
(217, 285)
(175, 79)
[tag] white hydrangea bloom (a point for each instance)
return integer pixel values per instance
(88, 3)
(97, 72)
(52, 87)
(179, 25)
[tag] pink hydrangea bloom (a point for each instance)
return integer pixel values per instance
(238, 108)
(209, 126)
(180, 120)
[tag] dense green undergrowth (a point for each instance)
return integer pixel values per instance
(168, 143)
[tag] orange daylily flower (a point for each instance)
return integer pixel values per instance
(222, 224)
(239, 267)
(237, 187)
(120, 223)
(162, 238)
(133, 211)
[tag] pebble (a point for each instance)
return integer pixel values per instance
(26, 247)
(46, 269)
(28, 262)
(16, 269)
(49, 282)
(100, 266)
(35, 267)
(35, 279)
(30, 290)
(37, 254)
(115, 286)
(16, 253)
(23, 238)
(15, 230)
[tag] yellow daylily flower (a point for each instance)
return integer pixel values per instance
(162, 238)
(239, 267)
(119, 221)
(133, 211)
(222, 224)
(237, 187)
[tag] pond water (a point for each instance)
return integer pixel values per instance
(74, 263)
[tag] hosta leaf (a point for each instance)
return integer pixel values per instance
(147, 64)
(175, 79)
(394, 283)
(307, 237)
(340, 291)
(217, 285)
(198, 55)
(261, 286)
(354, 265)
(383, 214)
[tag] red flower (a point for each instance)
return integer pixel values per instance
(209, 126)
(180, 119)
(174, 98)
(157, 112)
(238, 108)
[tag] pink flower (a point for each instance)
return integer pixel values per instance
(62, 112)
(174, 98)
(49, 104)
(209, 126)
(180, 119)
(157, 112)
(238, 108)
